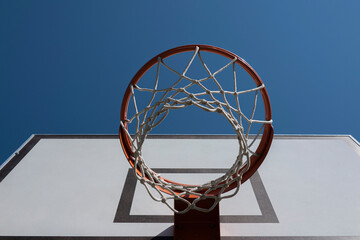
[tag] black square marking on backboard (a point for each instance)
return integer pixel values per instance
(122, 215)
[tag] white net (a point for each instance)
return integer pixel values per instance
(210, 100)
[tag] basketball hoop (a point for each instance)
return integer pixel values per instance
(177, 97)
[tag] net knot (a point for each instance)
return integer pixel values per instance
(188, 102)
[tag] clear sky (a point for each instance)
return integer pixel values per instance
(64, 65)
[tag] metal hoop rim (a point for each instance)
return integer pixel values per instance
(266, 140)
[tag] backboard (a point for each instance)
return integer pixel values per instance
(82, 187)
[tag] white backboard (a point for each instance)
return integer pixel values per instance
(81, 186)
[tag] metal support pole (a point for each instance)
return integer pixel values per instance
(195, 224)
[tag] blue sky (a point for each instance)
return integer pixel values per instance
(64, 65)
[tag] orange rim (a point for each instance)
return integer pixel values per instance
(268, 132)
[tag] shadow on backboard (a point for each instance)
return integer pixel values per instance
(167, 234)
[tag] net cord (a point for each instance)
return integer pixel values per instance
(154, 113)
